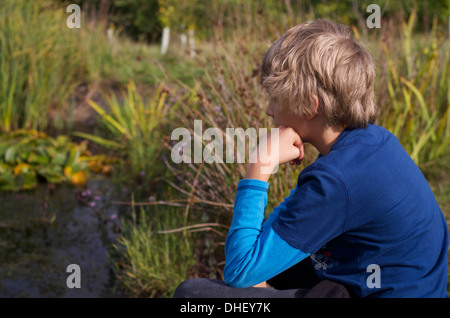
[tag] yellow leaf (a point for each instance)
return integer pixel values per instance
(95, 166)
(68, 172)
(82, 158)
(79, 178)
(21, 167)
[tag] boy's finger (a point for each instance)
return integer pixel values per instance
(302, 152)
(298, 141)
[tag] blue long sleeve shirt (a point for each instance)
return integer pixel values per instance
(364, 213)
(254, 252)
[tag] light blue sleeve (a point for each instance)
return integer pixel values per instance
(254, 251)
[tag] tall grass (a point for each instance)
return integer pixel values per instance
(152, 264)
(418, 87)
(37, 68)
(42, 61)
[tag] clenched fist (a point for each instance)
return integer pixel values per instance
(280, 146)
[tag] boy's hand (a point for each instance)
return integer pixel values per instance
(261, 285)
(280, 146)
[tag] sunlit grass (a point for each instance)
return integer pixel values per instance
(152, 263)
(418, 84)
(37, 69)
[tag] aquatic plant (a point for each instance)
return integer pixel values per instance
(136, 125)
(29, 156)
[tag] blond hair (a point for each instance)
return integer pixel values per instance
(322, 58)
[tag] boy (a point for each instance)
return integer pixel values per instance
(362, 215)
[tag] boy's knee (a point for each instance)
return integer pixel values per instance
(328, 289)
(190, 288)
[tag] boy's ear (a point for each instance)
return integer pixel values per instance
(315, 101)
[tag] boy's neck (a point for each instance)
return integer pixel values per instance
(327, 140)
(320, 135)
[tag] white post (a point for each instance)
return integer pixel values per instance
(165, 40)
(183, 39)
(192, 42)
(110, 34)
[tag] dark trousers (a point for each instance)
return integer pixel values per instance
(299, 281)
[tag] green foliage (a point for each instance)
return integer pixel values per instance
(426, 10)
(37, 69)
(144, 19)
(418, 85)
(27, 156)
(139, 18)
(153, 263)
(136, 126)
(41, 63)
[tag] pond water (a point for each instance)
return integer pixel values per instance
(44, 230)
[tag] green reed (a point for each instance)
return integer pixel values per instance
(37, 69)
(152, 264)
(42, 61)
(417, 110)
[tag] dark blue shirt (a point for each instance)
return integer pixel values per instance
(366, 202)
